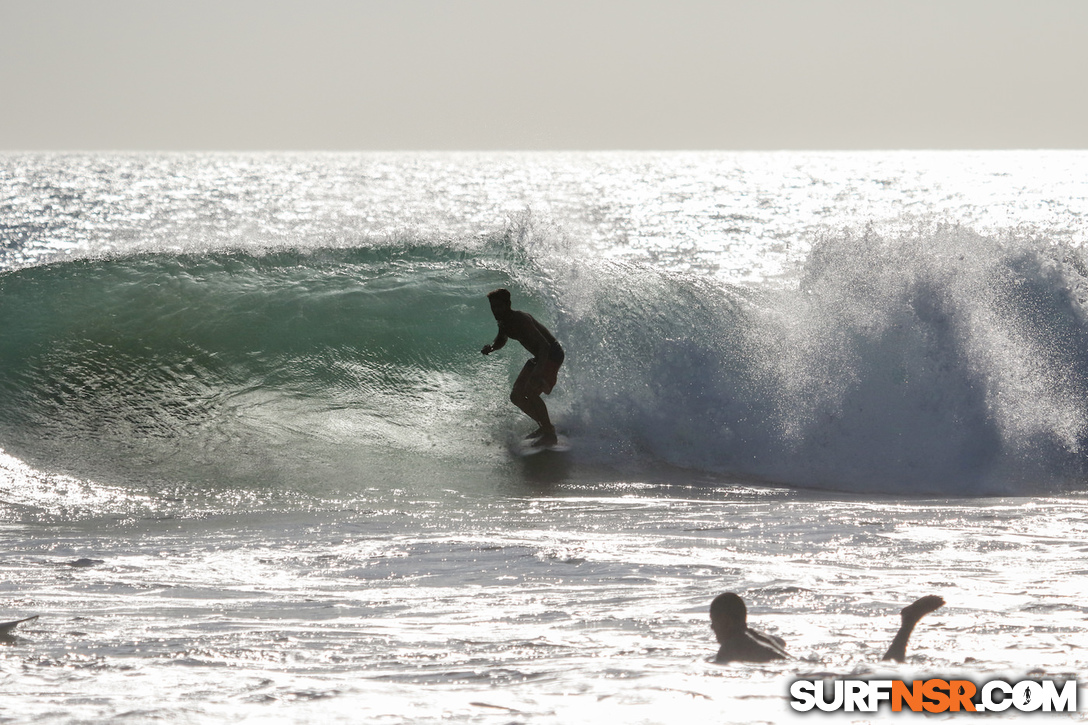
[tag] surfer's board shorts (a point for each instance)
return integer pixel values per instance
(550, 372)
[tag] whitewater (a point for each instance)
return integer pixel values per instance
(254, 468)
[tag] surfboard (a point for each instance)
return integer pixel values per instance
(529, 447)
(6, 627)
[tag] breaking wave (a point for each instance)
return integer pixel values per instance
(939, 361)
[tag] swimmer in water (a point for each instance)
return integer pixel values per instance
(739, 643)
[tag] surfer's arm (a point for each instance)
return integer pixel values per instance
(910, 615)
(497, 344)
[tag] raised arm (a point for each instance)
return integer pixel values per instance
(897, 652)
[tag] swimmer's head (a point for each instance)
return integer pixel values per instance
(728, 615)
(500, 300)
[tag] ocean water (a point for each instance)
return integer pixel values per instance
(253, 467)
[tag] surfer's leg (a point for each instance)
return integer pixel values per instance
(547, 436)
(531, 404)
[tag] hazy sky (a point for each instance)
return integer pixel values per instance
(547, 74)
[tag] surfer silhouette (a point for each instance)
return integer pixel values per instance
(739, 643)
(539, 373)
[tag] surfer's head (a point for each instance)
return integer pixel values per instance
(500, 301)
(728, 616)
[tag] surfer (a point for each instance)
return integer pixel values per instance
(740, 643)
(539, 374)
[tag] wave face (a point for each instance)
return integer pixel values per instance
(266, 367)
(940, 361)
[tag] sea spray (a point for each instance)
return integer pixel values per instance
(936, 361)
